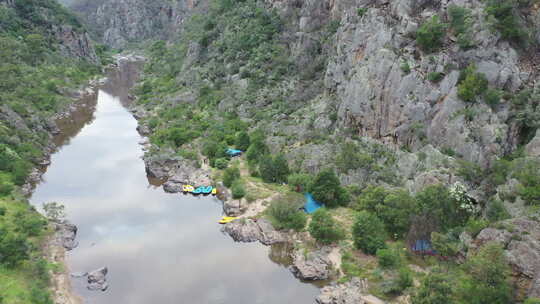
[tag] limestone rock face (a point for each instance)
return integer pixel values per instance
(75, 44)
(120, 22)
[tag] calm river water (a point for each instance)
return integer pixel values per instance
(159, 247)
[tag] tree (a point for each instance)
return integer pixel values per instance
(230, 175)
(444, 245)
(238, 190)
(300, 182)
(327, 189)
(242, 141)
(393, 207)
(430, 35)
(487, 277)
(437, 203)
(324, 228)
(274, 169)
(286, 214)
(436, 288)
(368, 232)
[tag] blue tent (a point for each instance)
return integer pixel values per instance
(311, 204)
(423, 246)
(233, 152)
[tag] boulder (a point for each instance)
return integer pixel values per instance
(352, 292)
(66, 234)
(248, 230)
(97, 279)
(312, 266)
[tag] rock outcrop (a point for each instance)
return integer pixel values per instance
(97, 279)
(248, 230)
(75, 44)
(352, 292)
(313, 265)
(66, 234)
(117, 23)
(521, 239)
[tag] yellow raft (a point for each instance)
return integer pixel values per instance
(227, 219)
(188, 188)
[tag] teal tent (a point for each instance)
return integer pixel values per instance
(311, 204)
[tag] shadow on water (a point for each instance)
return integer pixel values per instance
(160, 248)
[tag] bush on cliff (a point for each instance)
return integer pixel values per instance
(431, 34)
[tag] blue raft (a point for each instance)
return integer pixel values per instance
(311, 204)
(203, 190)
(233, 152)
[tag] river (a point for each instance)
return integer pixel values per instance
(158, 247)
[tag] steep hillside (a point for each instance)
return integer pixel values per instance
(121, 23)
(418, 117)
(45, 57)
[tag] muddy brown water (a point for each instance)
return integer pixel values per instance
(159, 247)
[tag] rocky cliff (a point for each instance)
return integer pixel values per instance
(120, 22)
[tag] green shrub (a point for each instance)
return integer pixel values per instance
(496, 211)
(487, 278)
(435, 76)
(461, 23)
(435, 288)
(230, 175)
(13, 249)
(474, 226)
(286, 214)
(393, 207)
(238, 190)
(388, 258)
(431, 34)
(368, 233)
(300, 182)
(324, 228)
(242, 141)
(472, 84)
(5, 188)
(327, 189)
(221, 163)
(470, 171)
(505, 20)
(405, 278)
(532, 301)
(361, 11)
(274, 169)
(492, 97)
(405, 67)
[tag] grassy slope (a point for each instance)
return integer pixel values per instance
(38, 77)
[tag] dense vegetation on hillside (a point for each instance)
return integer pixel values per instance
(37, 77)
(227, 79)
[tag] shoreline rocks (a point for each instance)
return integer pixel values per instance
(351, 292)
(97, 279)
(248, 230)
(66, 234)
(312, 266)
